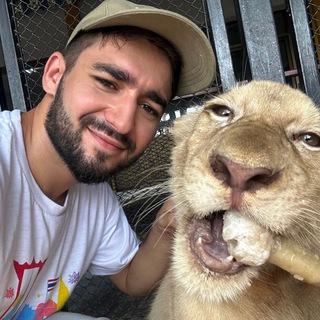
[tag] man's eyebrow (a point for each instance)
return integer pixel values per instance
(115, 72)
(124, 76)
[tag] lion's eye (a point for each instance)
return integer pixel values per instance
(310, 138)
(221, 111)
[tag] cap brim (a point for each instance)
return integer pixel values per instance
(197, 54)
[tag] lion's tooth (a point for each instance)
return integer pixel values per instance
(296, 276)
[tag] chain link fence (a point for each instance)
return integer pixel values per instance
(43, 26)
(313, 11)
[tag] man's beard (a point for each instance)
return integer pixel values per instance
(67, 143)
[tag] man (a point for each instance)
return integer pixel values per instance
(104, 98)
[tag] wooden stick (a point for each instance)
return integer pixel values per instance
(301, 263)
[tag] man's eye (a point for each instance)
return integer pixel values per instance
(149, 110)
(106, 83)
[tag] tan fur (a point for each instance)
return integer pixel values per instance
(264, 131)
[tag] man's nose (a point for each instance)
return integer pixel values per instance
(124, 114)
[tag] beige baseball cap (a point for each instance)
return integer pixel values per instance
(198, 58)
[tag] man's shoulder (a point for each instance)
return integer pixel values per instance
(10, 128)
(8, 119)
(98, 198)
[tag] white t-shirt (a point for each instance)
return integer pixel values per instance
(46, 248)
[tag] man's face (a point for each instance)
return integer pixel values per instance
(106, 110)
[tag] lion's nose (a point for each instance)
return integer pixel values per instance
(240, 176)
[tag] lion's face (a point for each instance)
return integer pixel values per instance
(256, 150)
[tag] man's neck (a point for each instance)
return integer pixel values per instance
(49, 171)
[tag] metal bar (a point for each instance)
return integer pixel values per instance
(221, 44)
(10, 58)
(261, 40)
(246, 72)
(306, 51)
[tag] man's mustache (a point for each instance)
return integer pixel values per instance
(92, 121)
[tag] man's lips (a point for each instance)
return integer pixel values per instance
(106, 141)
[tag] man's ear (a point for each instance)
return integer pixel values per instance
(53, 72)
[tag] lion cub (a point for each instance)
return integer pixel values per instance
(254, 150)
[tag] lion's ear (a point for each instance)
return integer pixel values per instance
(184, 127)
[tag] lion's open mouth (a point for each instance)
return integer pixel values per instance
(207, 244)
